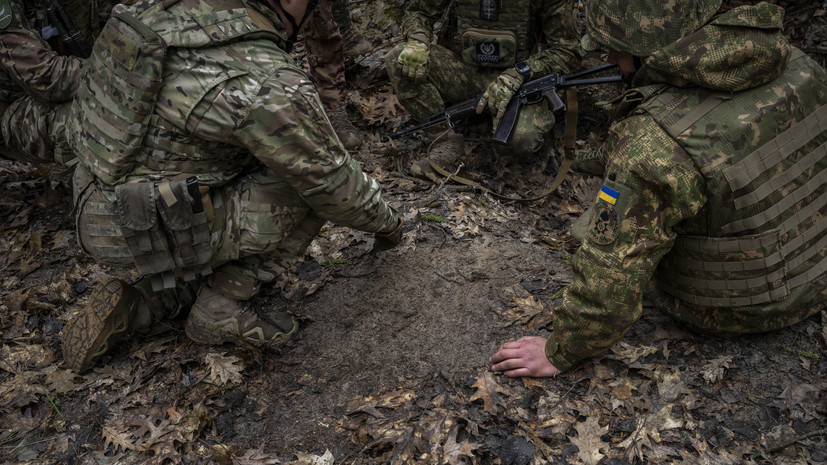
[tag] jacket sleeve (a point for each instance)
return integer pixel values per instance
(288, 131)
(420, 16)
(653, 186)
(561, 52)
(30, 62)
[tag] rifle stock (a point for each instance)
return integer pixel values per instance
(530, 93)
(69, 33)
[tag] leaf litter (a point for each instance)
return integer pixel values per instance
(391, 364)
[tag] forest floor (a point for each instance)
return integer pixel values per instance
(390, 364)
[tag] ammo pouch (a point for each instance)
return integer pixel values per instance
(166, 229)
(491, 48)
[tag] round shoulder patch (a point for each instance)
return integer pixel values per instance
(6, 14)
(605, 224)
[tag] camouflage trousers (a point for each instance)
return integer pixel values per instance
(449, 81)
(258, 227)
(34, 131)
(325, 56)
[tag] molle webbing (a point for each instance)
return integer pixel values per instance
(496, 15)
(117, 96)
(776, 238)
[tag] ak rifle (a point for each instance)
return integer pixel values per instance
(530, 93)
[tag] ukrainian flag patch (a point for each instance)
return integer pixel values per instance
(608, 194)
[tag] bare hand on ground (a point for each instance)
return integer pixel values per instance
(523, 357)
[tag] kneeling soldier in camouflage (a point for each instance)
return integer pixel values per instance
(715, 186)
(206, 162)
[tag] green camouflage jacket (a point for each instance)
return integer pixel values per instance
(28, 65)
(669, 185)
(556, 20)
(230, 102)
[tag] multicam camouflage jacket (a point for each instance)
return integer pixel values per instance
(506, 29)
(715, 187)
(230, 101)
(28, 65)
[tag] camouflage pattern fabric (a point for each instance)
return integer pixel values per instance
(661, 190)
(450, 80)
(35, 131)
(29, 66)
(325, 56)
(36, 82)
(643, 26)
(249, 124)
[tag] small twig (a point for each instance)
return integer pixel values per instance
(456, 172)
(783, 446)
(448, 279)
(185, 389)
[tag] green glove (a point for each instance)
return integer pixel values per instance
(499, 93)
(414, 60)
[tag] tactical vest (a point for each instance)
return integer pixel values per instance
(763, 153)
(494, 33)
(122, 129)
(147, 166)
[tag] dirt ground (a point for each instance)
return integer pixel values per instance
(390, 364)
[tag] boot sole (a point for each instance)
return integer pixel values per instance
(92, 332)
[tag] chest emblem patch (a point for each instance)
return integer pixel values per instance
(6, 14)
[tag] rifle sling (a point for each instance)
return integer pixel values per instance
(569, 141)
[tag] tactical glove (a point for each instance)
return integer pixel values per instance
(414, 60)
(499, 93)
(387, 241)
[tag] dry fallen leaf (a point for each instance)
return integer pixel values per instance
(630, 354)
(588, 440)
(223, 369)
(713, 370)
(255, 457)
(310, 459)
(454, 452)
(647, 433)
(118, 439)
(489, 391)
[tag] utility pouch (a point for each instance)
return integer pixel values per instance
(166, 229)
(490, 48)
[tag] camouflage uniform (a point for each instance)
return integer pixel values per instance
(715, 183)
(35, 85)
(245, 122)
(454, 75)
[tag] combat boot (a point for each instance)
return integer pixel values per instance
(444, 152)
(215, 319)
(355, 44)
(346, 131)
(115, 311)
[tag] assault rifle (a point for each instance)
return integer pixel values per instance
(68, 31)
(530, 93)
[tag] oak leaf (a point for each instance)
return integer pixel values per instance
(454, 451)
(714, 370)
(113, 437)
(588, 440)
(223, 369)
(489, 391)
